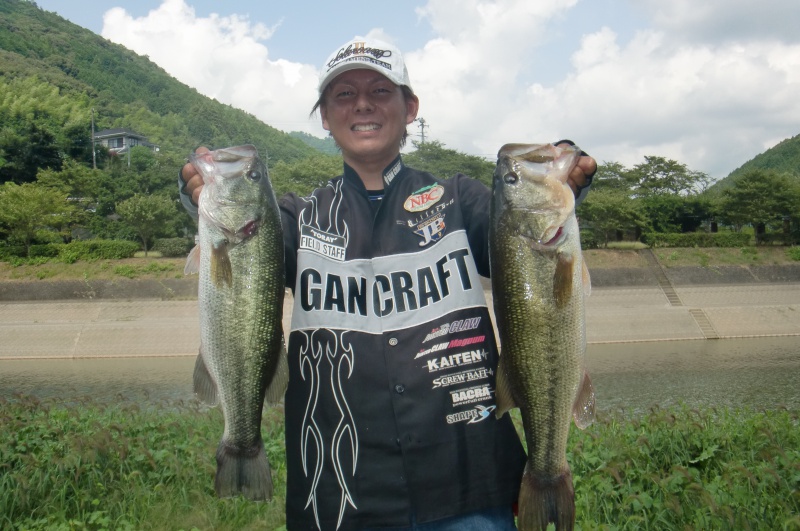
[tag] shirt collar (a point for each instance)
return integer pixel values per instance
(390, 173)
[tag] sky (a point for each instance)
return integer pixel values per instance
(709, 84)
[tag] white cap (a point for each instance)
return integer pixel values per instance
(365, 53)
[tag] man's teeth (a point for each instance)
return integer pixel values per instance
(366, 127)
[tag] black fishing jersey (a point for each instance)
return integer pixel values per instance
(392, 355)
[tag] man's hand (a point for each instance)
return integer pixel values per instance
(578, 177)
(193, 179)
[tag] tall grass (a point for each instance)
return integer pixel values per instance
(92, 466)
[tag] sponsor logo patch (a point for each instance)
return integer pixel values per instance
(431, 230)
(461, 377)
(471, 416)
(424, 198)
(324, 243)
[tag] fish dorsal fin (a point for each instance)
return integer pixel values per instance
(505, 401)
(204, 386)
(583, 408)
(192, 266)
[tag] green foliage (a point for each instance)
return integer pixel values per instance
(28, 209)
(69, 253)
(103, 249)
(434, 158)
(782, 158)
(697, 239)
(760, 197)
(605, 212)
(325, 145)
(304, 175)
(793, 253)
(92, 466)
(148, 215)
(662, 176)
(172, 247)
(88, 466)
(688, 469)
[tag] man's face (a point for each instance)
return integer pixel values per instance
(367, 116)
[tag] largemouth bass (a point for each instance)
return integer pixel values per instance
(239, 256)
(539, 282)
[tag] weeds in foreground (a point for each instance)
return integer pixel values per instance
(91, 466)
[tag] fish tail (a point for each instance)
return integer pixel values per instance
(544, 501)
(243, 471)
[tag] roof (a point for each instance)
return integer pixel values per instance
(107, 133)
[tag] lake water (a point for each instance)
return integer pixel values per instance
(760, 373)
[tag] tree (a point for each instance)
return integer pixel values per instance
(608, 212)
(761, 198)
(659, 175)
(433, 157)
(28, 209)
(303, 176)
(148, 215)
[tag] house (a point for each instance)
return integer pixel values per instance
(118, 141)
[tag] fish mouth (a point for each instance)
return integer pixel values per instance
(554, 240)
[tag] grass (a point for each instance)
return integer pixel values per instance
(154, 268)
(623, 254)
(92, 466)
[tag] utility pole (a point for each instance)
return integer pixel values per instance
(422, 124)
(94, 159)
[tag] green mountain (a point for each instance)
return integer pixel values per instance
(54, 73)
(783, 158)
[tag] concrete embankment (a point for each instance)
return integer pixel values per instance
(156, 318)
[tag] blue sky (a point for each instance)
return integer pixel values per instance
(708, 84)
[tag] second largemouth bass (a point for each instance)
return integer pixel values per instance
(539, 283)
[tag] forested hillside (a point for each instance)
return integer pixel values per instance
(783, 158)
(53, 73)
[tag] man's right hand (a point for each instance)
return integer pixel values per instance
(192, 178)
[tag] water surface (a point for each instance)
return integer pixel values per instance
(759, 373)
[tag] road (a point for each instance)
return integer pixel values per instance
(151, 327)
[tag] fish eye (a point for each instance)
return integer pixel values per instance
(254, 175)
(510, 178)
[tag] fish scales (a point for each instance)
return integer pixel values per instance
(239, 258)
(539, 283)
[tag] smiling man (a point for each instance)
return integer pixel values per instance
(389, 408)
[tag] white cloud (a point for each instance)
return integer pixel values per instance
(707, 103)
(224, 58)
(679, 85)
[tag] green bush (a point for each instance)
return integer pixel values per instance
(99, 249)
(589, 240)
(172, 247)
(696, 239)
(793, 253)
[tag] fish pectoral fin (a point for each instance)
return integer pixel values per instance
(587, 281)
(562, 280)
(192, 266)
(583, 408)
(505, 401)
(204, 386)
(280, 379)
(221, 271)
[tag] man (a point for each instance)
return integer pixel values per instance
(389, 409)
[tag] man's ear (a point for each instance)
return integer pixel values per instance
(323, 113)
(412, 107)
